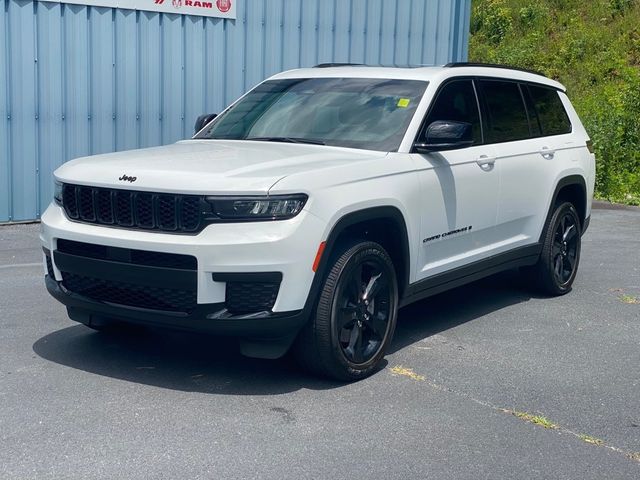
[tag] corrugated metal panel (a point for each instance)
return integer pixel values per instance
(78, 80)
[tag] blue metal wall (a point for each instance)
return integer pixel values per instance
(78, 80)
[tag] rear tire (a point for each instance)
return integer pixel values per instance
(355, 317)
(558, 263)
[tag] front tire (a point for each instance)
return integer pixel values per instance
(558, 264)
(355, 316)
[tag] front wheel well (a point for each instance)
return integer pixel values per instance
(390, 233)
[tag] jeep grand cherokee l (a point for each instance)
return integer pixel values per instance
(320, 202)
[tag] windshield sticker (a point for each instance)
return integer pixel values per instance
(404, 102)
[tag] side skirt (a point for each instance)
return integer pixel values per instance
(519, 257)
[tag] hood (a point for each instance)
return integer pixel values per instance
(206, 166)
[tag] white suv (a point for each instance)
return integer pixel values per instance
(320, 202)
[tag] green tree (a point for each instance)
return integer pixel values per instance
(593, 48)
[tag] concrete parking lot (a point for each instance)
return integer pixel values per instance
(472, 376)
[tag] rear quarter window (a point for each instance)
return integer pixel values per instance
(552, 116)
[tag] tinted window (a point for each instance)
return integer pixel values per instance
(506, 115)
(534, 121)
(369, 113)
(551, 112)
(457, 101)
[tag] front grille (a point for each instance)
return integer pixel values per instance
(250, 297)
(126, 255)
(123, 293)
(132, 209)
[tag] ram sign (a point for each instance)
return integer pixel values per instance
(203, 8)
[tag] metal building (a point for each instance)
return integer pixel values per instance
(77, 79)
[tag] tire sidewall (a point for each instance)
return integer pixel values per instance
(560, 211)
(357, 254)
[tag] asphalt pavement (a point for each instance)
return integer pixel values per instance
(485, 381)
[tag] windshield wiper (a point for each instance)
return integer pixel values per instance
(287, 140)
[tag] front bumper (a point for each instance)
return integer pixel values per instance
(210, 318)
(222, 251)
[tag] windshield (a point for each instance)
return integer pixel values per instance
(362, 113)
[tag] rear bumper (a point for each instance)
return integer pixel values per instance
(210, 318)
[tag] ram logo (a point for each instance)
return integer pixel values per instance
(223, 5)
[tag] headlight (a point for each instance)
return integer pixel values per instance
(57, 192)
(277, 207)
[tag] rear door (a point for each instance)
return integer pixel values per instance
(528, 156)
(523, 175)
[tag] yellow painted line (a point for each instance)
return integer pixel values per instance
(406, 372)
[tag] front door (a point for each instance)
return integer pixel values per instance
(460, 189)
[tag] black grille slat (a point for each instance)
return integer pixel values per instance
(144, 210)
(132, 295)
(70, 200)
(167, 212)
(124, 208)
(190, 213)
(104, 206)
(86, 204)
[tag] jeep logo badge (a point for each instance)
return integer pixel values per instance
(127, 178)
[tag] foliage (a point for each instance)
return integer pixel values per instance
(593, 48)
(493, 19)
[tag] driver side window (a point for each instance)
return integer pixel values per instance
(456, 101)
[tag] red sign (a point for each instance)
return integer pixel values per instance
(203, 8)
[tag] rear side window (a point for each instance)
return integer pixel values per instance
(551, 113)
(506, 114)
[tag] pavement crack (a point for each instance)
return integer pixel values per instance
(538, 420)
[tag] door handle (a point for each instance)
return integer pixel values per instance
(486, 162)
(547, 153)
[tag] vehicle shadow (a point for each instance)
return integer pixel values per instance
(442, 312)
(174, 360)
(200, 363)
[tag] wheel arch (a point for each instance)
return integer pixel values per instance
(383, 224)
(572, 188)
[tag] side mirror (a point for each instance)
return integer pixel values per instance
(446, 135)
(202, 120)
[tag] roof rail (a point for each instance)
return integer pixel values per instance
(374, 65)
(492, 65)
(329, 65)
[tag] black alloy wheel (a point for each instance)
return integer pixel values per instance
(355, 316)
(557, 266)
(565, 248)
(362, 310)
